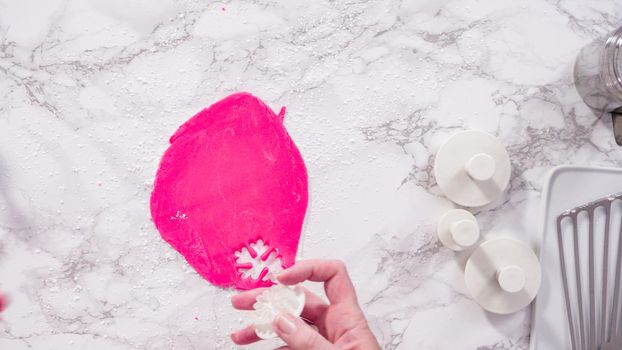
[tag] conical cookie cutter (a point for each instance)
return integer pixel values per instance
(458, 229)
(503, 275)
(472, 168)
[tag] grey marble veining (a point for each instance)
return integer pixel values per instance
(93, 89)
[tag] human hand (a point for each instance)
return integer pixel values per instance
(340, 324)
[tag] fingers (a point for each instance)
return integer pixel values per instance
(333, 273)
(299, 335)
(314, 305)
(245, 300)
(245, 336)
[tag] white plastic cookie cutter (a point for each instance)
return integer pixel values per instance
(472, 168)
(503, 275)
(458, 229)
(275, 300)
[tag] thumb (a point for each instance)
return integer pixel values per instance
(298, 335)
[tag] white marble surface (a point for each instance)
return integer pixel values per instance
(91, 91)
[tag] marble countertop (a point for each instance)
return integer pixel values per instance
(93, 89)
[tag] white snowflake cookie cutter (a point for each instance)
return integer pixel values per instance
(274, 301)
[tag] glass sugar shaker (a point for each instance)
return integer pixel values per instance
(598, 78)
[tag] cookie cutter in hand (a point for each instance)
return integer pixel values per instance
(274, 301)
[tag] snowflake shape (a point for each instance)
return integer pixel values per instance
(258, 261)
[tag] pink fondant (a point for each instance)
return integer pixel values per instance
(231, 176)
(3, 302)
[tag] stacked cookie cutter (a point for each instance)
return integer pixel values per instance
(473, 170)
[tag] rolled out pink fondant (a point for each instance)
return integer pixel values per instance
(231, 176)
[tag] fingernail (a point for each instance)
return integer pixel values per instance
(285, 324)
